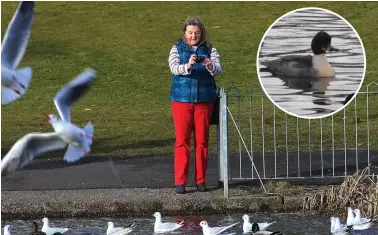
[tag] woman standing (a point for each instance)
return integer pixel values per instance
(194, 63)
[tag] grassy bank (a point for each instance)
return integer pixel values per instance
(128, 44)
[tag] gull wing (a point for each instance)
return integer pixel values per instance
(72, 92)
(29, 147)
(17, 35)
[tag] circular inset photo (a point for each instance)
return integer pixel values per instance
(311, 63)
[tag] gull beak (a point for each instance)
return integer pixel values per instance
(48, 117)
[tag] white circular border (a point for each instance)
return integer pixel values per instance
(258, 63)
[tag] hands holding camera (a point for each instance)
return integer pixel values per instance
(200, 60)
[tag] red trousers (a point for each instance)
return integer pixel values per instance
(188, 117)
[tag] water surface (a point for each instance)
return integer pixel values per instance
(295, 224)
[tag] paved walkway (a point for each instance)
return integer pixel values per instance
(157, 171)
(100, 172)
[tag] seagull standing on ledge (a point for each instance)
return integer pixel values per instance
(15, 82)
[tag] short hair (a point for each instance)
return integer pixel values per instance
(196, 21)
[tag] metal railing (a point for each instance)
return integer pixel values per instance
(256, 141)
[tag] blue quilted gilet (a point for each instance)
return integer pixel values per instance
(199, 85)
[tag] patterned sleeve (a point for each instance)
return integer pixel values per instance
(215, 58)
(174, 63)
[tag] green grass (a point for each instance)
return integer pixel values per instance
(128, 44)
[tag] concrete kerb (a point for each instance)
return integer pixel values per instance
(138, 202)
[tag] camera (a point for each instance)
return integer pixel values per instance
(200, 59)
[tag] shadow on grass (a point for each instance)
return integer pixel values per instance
(145, 144)
(104, 148)
(54, 160)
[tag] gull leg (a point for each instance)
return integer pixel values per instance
(19, 83)
(14, 90)
(87, 154)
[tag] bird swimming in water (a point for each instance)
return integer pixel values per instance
(315, 65)
(35, 230)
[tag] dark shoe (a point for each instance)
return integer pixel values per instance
(201, 187)
(180, 189)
